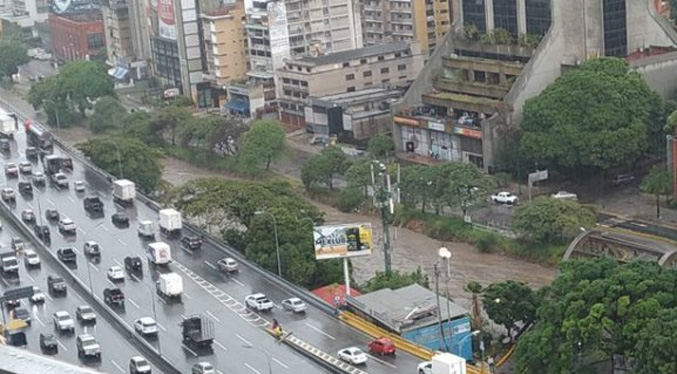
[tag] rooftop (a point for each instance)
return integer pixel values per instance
(364, 52)
(19, 361)
(406, 308)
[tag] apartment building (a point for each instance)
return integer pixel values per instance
(77, 36)
(26, 13)
(426, 21)
(469, 96)
(389, 65)
(224, 39)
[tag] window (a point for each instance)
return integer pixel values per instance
(615, 28)
(350, 89)
(346, 64)
(385, 70)
(350, 77)
(473, 14)
(401, 67)
(367, 73)
(398, 55)
(287, 92)
(285, 80)
(402, 77)
(95, 41)
(381, 58)
(385, 81)
(304, 84)
(505, 16)
(363, 61)
(538, 16)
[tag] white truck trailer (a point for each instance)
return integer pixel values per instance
(124, 191)
(170, 222)
(159, 253)
(170, 285)
(446, 363)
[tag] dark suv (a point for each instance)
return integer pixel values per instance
(93, 204)
(114, 296)
(191, 242)
(56, 284)
(42, 232)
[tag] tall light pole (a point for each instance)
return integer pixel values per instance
(384, 201)
(472, 333)
(277, 242)
(270, 368)
(56, 113)
(152, 303)
(119, 159)
(445, 255)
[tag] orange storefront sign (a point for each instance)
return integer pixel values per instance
(406, 121)
(468, 132)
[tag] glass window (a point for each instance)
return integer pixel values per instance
(385, 70)
(351, 89)
(350, 77)
(538, 16)
(473, 14)
(367, 73)
(505, 16)
(615, 28)
(401, 67)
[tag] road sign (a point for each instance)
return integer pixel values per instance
(538, 176)
(18, 293)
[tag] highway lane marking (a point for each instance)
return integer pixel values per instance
(94, 267)
(238, 282)
(105, 228)
(133, 303)
(280, 363)
(189, 350)
(213, 316)
(111, 282)
(76, 250)
(219, 371)
(116, 365)
(210, 265)
(49, 201)
(62, 346)
(82, 231)
(187, 295)
(39, 321)
(320, 331)
(160, 326)
(117, 262)
(30, 205)
(31, 278)
(251, 368)
(122, 242)
(245, 341)
(4, 281)
(382, 362)
(49, 297)
(220, 345)
(70, 199)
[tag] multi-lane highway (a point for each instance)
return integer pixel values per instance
(241, 345)
(115, 351)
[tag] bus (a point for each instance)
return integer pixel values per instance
(38, 136)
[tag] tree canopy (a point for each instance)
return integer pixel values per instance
(108, 113)
(597, 309)
(381, 146)
(658, 182)
(548, 219)
(264, 142)
(12, 55)
(510, 302)
(600, 115)
(321, 169)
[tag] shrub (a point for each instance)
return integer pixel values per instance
(350, 199)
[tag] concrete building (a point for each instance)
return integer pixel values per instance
(26, 13)
(385, 21)
(77, 36)
(469, 97)
(224, 39)
(122, 56)
(412, 312)
(389, 65)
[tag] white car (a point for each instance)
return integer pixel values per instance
(79, 186)
(116, 274)
(563, 195)
(38, 296)
(31, 258)
(88, 346)
(25, 167)
(85, 314)
(66, 225)
(259, 302)
(203, 367)
(353, 355)
(294, 304)
(139, 365)
(63, 321)
(227, 265)
(145, 326)
(425, 367)
(504, 197)
(92, 248)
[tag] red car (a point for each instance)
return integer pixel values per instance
(382, 346)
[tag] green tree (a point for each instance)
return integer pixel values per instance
(510, 302)
(168, 120)
(381, 146)
(395, 279)
(658, 182)
(264, 142)
(136, 125)
(12, 55)
(323, 168)
(107, 115)
(547, 219)
(656, 351)
(359, 175)
(599, 116)
(82, 83)
(467, 186)
(350, 200)
(138, 162)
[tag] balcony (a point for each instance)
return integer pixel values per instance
(466, 47)
(482, 64)
(467, 103)
(493, 91)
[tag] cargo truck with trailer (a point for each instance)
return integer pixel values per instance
(197, 331)
(170, 286)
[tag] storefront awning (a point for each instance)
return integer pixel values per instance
(118, 72)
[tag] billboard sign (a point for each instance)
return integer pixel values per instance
(336, 241)
(166, 20)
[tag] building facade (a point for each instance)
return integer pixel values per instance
(468, 99)
(426, 21)
(26, 13)
(224, 39)
(389, 66)
(77, 36)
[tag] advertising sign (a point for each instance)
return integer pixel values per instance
(406, 121)
(166, 20)
(437, 126)
(468, 132)
(336, 241)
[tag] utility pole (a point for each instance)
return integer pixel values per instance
(439, 308)
(383, 200)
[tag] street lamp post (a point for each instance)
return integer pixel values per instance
(472, 333)
(277, 242)
(270, 368)
(56, 113)
(445, 255)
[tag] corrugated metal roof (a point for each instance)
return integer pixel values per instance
(354, 54)
(19, 361)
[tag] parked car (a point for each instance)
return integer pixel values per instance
(25, 167)
(203, 367)
(28, 216)
(79, 186)
(8, 195)
(42, 232)
(120, 219)
(38, 296)
(259, 302)
(52, 214)
(67, 226)
(56, 284)
(622, 179)
(88, 346)
(353, 355)
(31, 258)
(227, 265)
(504, 197)
(63, 321)
(48, 342)
(294, 304)
(11, 170)
(66, 254)
(563, 195)
(381, 346)
(85, 314)
(146, 326)
(115, 274)
(39, 179)
(92, 249)
(139, 365)
(25, 188)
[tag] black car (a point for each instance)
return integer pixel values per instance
(133, 264)
(66, 254)
(42, 232)
(48, 341)
(56, 284)
(192, 242)
(67, 163)
(120, 219)
(25, 188)
(52, 214)
(31, 153)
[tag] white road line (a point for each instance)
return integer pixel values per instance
(49, 297)
(39, 321)
(76, 250)
(4, 281)
(62, 346)
(104, 227)
(220, 345)
(210, 265)
(160, 326)
(189, 350)
(280, 363)
(251, 368)
(162, 299)
(71, 199)
(94, 267)
(117, 366)
(245, 341)
(238, 282)
(49, 201)
(320, 331)
(213, 316)
(382, 362)
(31, 278)
(29, 205)
(133, 303)
(219, 371)
(82, 231)
(111, 282)
(117, 262)
(122, 242)
(187, 295)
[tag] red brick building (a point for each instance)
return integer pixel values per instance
(77, 36)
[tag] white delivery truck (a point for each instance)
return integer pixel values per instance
(124, 191)
(146, 230)
(170, 285)
(7, 125)
(446, 363)
(159, 253)
(170, 222)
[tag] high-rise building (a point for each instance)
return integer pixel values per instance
(426, 21)
(469, 97)
(118, 25)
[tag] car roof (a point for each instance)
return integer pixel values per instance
(115, 267)
(146, 320)
(257, 295)
(61, 313)
(294, 299)
(84, 307)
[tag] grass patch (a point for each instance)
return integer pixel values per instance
(454, 229)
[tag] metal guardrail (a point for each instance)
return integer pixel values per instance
(326, 360)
